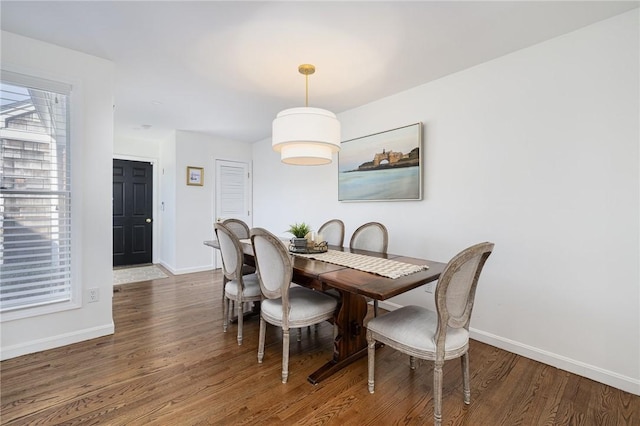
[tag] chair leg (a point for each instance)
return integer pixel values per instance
(263, 330)
(225, 314)
(285, 355)
(437, 393)
(371, 351)
(224, 284)
(375, 308)
(240, 320)
(412, 362)
(299, 335)
(465, 378)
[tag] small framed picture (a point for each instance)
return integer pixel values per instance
(195, 176)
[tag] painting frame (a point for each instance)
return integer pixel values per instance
(195, 176)
(383, 166)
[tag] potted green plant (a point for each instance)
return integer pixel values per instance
(299, 231)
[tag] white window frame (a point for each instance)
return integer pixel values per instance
(17, 77)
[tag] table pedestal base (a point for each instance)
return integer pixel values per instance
(350, 343)
(334, 366)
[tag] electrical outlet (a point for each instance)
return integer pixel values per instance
(94, 295)
(429, 287)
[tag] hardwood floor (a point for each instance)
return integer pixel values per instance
(169, 363)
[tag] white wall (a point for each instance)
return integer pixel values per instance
(167, 199)
(537, 151)
(189, 212)
(92, 146)
(136, 148)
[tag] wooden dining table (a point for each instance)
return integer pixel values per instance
(353, 285)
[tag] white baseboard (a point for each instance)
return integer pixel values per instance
(186, 270)
(387, 306)
(627, 384)
(55, 341)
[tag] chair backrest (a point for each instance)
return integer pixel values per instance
(238, 227)
(274, 265)
(456, 289)
(371, 236)
(231, 252)
(332, 232)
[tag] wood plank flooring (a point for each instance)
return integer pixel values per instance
(169, 363)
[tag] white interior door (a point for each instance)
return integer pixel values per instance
(233, 193)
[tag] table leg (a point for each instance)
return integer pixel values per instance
(350, 343)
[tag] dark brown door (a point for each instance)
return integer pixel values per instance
(132, 208)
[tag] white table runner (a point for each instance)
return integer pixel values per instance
(375, 265)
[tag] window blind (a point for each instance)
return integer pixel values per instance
(35, 192)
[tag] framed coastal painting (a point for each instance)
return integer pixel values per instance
(385, 166)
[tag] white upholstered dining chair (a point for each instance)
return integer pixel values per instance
(241, 230)
(332, 232)
(372, 236)
(435, 336)
(284, 305)
(238, 287)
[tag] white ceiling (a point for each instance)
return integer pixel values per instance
(227, 68)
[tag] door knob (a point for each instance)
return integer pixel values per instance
(148, 220)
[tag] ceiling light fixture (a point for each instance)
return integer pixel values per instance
(306, 136)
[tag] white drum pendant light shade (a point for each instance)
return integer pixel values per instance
(306, 136)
